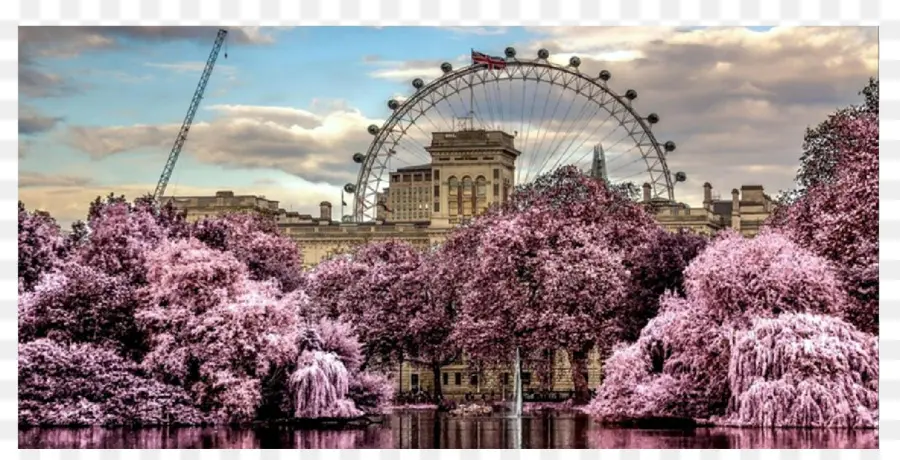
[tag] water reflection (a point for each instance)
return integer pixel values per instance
(428, 430)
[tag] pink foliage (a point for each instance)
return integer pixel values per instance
(327, 283)
(838, 219)
(120, 237)
(84, 384)
(801, 370)
(40, 246)
(737, 278)
(337, 337)
(320, 384)
(676, 369)
(212, 329)
(376, 302)
(657, 267)
(370, 391)
(548, 272)
(257, 242)
(76, 303)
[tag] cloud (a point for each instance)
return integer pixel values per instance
(482, 31)
(408, 70)
(36, 83)
(33, 122)
(42, 42)
(30, 179)
(315, 144)
(70, 41)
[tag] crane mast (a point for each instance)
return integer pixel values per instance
(189, 118)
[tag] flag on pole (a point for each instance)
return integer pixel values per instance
(343, 203)
(492, 62)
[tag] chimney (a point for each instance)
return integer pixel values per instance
(646, 192)
(707, 193)
(325, 211)
(735, 209)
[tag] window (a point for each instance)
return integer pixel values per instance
(496, 190)
(437, 191)
(481, 194)
(453, 194)
(496, 174)
(437, 174)
(457, 378)
(414, 381)
(473, 379)
(437, 207)
(526, 378)
(445, 379)
(504, 378)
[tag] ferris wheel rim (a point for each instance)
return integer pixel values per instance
(494, 75)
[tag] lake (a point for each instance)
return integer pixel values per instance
(430, 430)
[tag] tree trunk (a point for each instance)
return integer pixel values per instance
(579, 365)
(438, 391)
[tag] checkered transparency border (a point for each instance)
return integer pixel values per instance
(458, 12)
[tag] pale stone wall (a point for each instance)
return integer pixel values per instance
(497, 380)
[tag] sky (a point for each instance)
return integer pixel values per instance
(99, 107)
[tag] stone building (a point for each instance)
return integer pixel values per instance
(470, 170)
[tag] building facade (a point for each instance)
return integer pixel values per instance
(469, 171)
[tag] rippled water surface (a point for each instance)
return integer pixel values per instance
(428, 430)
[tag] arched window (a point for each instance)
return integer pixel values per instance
(465, 198)
(452, 208)
(480, 194)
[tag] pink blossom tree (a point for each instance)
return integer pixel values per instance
(75, 303)
(120, 237)
(737, 279)
(540, 284)
(801, 370)
(837, 218)
(656, 267)
(214, 331)
(678, 366)
(41, 245)
(375, 301)
(85, 384)
(550, 271)
(327, 381)
(677, 369)
(257, 242)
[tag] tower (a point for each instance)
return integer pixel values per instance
(598, 164)
(470, 171)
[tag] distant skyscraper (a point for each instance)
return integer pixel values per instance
(598, 165)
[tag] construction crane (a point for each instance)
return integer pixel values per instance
(189, 118)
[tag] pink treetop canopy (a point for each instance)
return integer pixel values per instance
(256, 241)
(40, 245)
(237, 330)
(739, 278)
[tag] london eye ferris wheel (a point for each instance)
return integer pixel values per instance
(558, 115)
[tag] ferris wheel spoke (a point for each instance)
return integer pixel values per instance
(552, 117)
(598, 106)
(592, 135)
(581, 131)
(572, 133)
(535, 75)
(540, 131)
